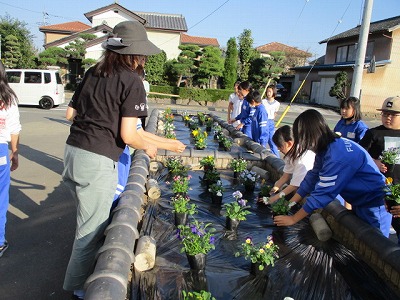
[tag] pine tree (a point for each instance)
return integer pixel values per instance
(231, 64)
(245, 53)
(211, 66)
(12, 54)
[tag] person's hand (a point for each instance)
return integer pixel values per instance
(231, 121)
(273, 198)
(240, 126)
(274, 190)
(178, 146)
(151, 150)
(14, 161)
(284, 220)
(395, 211)
(381, 166)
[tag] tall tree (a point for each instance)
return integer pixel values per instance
(211, 65)
(264, 69)
(155, 68)
(185, 65)
(230, 72)
(16, 28)
(12, 54)
(246, 52)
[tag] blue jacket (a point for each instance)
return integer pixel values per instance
(259, 126)
(354, 131)
(245, 117)
(345, 168)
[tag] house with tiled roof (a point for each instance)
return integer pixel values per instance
(59, 31)
(380, 77)
(162, 29)
(198, 40)
(300, 55)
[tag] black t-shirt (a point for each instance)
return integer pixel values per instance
(374, 142)
(100, 103)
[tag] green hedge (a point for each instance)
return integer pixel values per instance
(196, 94)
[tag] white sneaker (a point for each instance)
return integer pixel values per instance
(392, 231)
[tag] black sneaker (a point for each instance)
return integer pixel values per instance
(3, 248)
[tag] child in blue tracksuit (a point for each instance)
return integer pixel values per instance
(247, 111)
(341, 167)
(350, 125)
(259, 123)
(272, 108)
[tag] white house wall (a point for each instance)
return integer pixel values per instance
(167, 41)
(110, 18)
(94, 52)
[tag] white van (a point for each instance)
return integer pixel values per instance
(37, 87)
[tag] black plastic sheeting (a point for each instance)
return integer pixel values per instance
(307, 268)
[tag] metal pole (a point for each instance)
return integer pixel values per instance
(355, 90)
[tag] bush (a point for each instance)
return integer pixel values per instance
(195, 94)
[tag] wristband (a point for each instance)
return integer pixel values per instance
(282, 194)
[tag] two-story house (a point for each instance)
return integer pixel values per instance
(381, 68)
(164, 30)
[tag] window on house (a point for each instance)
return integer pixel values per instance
(341, 54)
(370, 51)
(348, 53)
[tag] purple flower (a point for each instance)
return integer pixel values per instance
(178, 234)
(212, 240)
(242, 202)
(193, 228)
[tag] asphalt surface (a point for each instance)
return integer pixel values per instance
(41, 218)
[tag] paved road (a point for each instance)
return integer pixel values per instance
(41, 219)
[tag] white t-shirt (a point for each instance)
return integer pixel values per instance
(271, 107)
(9, 123)
(299, 167)
(237, 107)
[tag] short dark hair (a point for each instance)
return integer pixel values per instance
(245, 85)
(273, 87)
(353, 102)
(255, 96)
(282, 134)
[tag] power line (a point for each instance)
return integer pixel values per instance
(211, 13)
(36, 12)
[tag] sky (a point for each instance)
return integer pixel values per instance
(297, 23)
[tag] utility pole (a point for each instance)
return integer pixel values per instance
(355, 90)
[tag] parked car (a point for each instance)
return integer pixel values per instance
(281, 92)
(37, 87)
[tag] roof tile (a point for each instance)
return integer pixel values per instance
(275, 46)
(198, 40)
(382, 25)
(75, 26)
